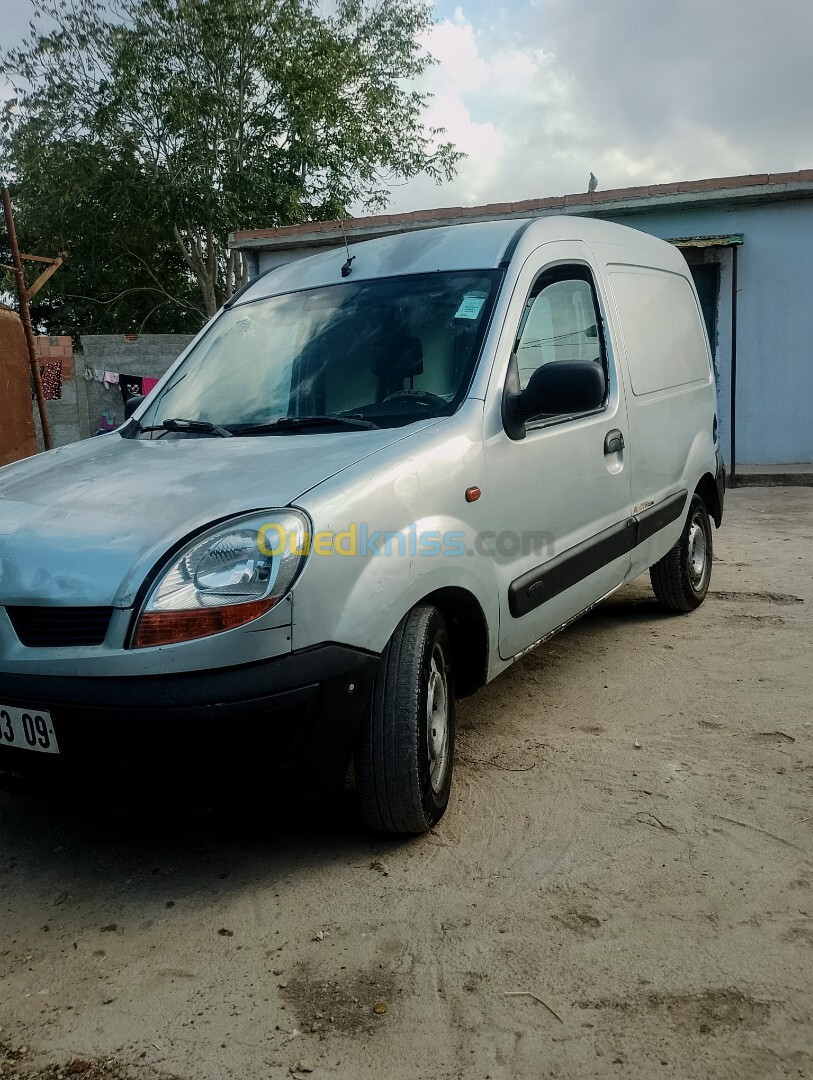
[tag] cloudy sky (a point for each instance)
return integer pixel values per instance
(539, 92)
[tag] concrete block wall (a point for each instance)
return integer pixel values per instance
(131, 354)
(62, 413)
(86, 402)
(56, 348)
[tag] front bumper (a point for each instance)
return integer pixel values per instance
(285, 725)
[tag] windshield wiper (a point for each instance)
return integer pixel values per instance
(195, 426)
(293, 423)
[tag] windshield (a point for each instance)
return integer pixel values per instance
(388, 352)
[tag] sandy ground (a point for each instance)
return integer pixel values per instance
(588, 908)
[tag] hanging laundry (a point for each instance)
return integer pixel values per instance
(51, 377)
(110, 378)
(130, 386)
(108, 421)
(147, 383)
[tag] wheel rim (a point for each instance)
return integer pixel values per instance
(437, 722)
(698, 552)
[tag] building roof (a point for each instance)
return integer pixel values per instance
(473, 246)
(726, 189)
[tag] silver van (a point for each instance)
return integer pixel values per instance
(356, 497)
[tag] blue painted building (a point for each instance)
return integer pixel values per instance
(749, 243)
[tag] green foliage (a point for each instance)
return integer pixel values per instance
(122, 274)
(144, 131)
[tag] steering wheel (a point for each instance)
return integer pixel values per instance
(421, 397)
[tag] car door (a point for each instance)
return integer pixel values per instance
(560, 494)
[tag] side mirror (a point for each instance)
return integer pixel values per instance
(564, 386)
(561, 387)
(131, 404)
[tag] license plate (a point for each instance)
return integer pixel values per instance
(29, 729)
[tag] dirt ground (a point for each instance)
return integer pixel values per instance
(622, 887)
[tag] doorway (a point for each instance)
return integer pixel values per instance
(707, 282)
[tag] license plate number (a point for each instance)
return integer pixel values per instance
(28, 729)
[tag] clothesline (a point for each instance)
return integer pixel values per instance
(129, 385)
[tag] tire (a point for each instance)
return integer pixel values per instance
(403, 771)
(680, 580)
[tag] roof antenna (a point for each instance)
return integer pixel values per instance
(347, 269)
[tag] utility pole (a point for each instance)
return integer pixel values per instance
(25, 314)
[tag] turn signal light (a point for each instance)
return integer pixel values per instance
(171, 627)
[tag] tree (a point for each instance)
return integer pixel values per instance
(143, 131)
(122, 275)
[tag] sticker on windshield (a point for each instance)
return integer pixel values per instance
(470, 307)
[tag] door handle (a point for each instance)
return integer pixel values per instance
(613, 441)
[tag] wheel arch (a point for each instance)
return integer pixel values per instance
(709, 493)
(468, 635)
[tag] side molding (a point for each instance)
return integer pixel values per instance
(535, 587)
(658, 517)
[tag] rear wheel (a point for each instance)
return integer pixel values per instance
(403, 763)
(680, 580)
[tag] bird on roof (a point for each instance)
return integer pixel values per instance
(592, 183)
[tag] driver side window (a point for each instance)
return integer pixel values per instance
(560, 322)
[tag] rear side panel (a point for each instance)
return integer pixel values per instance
(670, 394)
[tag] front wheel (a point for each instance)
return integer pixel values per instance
(403, 763)
(680, 580)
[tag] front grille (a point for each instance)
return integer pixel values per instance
(60, 627)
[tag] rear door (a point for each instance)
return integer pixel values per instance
(561, 495)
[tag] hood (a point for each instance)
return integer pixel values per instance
(84, 525)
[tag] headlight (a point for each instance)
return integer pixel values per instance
(226, 577)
